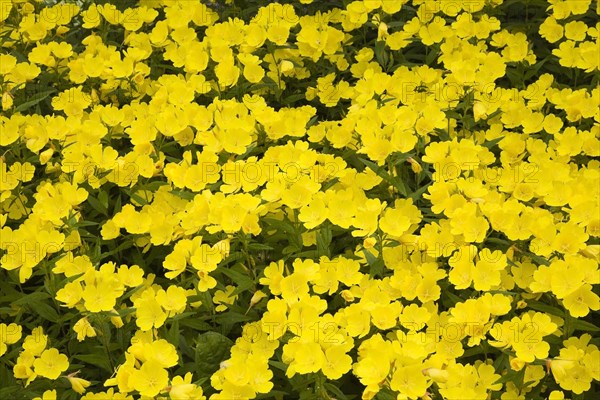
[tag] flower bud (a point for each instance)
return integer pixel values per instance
(286, 66)
(347, 295)
(45, 156)
(382, 31)
(78, 384)
(369, 242)
(256, 297)
(436, 374)
(517, 364)
(415, 166)
(7, 101)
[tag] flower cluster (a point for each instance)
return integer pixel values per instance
(241, 199)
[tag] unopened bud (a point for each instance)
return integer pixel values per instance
(7, 100)
(286, 66)
(45, 156)
(256, 297)
(78, 384)
(591, 251)
(347, 295)
(382, 31)
(436, 374)
(116, 320)
(415, 166)
(94, 97)
(517, 364)
(61, 30)
(369, 242)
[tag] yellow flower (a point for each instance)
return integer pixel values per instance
(99, 297)
(182, 388)
(51, 364)
(273, 275)
(149, 313)
(9, 334)
(224, 298)
(303, 358)
(410, 381)
(47, 395)
(84, 329)
(36, 342)
(486, 273)
(150, 379)
(173, 300)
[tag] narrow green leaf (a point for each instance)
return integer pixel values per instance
(37, 98)
(381, 172)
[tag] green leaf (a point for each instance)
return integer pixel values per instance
(13, 392)
(32, 297)
(293, 98)
(277, 394)
(183, 194)
(172, 335)
(380, 53)
(312, 121)
(259, 246)
(195, 324)
(98, 360)
(307, 254)
(381, 172)
(103, 198)
(543, 307)
(37, 98)
(117, 207)
(501, 362)
(289, 230)
(239, 278)
(10, 388)
(231, 317)
(431, 55)
(181, 316)
(416, 195)
(125, 311)
(385, 394)
(97, 205)
(324, 241)
(580, 325)
(279, 365)
(44, 310)
(454, 299)
(512, 376)
(291, 249)
(335, 390)
(375, 263)
(130, 292)
(138, 199)
(211, 349)
(536, 67)
(121, 247)
(280, 225)
(491, 143)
